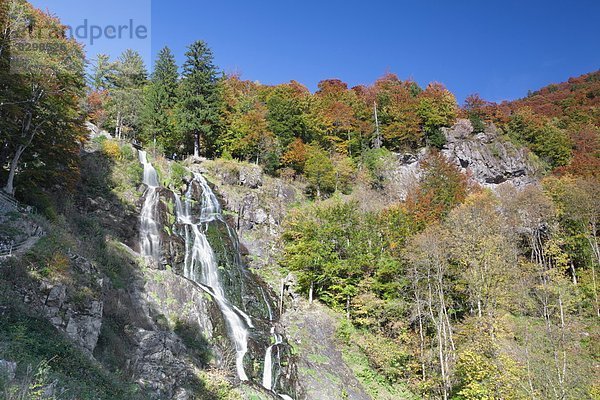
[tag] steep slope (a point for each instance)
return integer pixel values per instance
(575, 102)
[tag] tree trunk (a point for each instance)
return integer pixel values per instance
(593, 240)
(9, 188)
(118, 126)
(421, 338)
(196, 144)
(4, 153)
(281, 296)
(348, 307)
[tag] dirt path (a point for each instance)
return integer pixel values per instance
(21, 248)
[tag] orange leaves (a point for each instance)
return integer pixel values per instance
(96, 102)
(441, 188)
(586, 157)
(296, 155)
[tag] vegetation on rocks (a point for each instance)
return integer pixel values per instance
(470, 284)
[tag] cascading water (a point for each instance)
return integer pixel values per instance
(267, 380)
(201, 265)
(149, 234)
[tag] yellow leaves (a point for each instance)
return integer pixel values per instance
(483, 378)
(111, 149)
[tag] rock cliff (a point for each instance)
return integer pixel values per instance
(489, 159)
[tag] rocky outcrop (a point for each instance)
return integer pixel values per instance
(79, 316)
(121, 220)
(250, 175)
(323, 372)
(168, 327)
(16, 228)
(486, 157)
(256, 205)
(158, 363)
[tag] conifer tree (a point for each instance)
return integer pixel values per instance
(199, 105)
(160, 98)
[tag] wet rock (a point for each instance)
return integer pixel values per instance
(157, 306)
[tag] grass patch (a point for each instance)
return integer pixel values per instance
(318, 359)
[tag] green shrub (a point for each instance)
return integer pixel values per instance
(127, 152)
(436, 138)
(376, 161)
(477, 122)
(178, 173)
(40, 200)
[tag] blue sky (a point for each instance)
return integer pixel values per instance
(499, 49)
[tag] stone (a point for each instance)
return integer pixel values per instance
(84, 328)
(57, 296)
(91, 204)
(8, 369)
(487, 158)
(159, 363)
(260, 216)
(251, 176)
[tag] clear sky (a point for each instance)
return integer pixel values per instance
(499, 49)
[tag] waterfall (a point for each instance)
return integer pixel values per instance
(194, 218)
(267, 380)
(149, 234)
(267, 304)
(200, 265)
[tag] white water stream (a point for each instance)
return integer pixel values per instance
(267, 380)
(149, 234)
(200, 264)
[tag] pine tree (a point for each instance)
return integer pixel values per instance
(101, 72)
(199, 105)
(160, 98)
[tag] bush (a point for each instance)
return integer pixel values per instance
(127, 152)
(39, 199)
(178, 173)
(477, 122)
(436, 138)
(376, 162)
(111, 149)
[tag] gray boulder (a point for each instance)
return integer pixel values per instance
(487, 158)
(250, 175)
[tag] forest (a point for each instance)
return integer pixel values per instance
(458, 291)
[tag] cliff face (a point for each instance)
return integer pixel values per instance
(487, 158)
(256, 206)
(140, 325)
